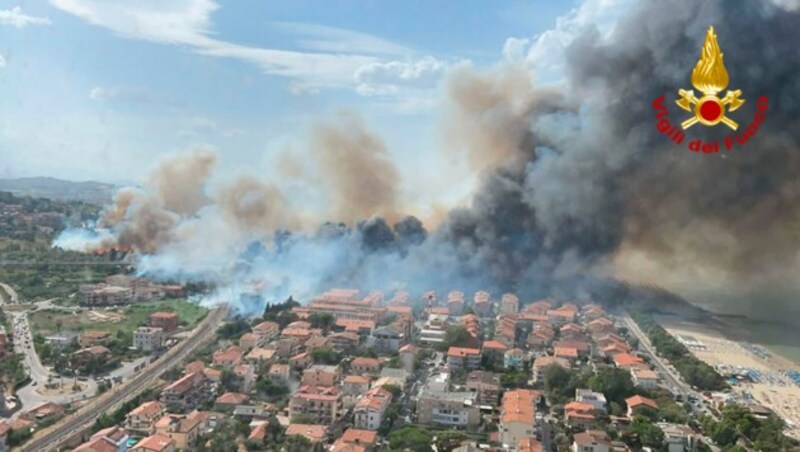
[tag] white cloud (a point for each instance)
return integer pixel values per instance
(392, 77)
(16, 18)
(330, 39)
(187, 23)
(545, 53)
(129, 94)
(2, 61)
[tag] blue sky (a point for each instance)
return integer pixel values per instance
(100, 89)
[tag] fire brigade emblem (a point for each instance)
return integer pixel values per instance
(710, 77)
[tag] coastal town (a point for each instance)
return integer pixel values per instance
(352, 371)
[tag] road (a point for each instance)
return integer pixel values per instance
(667, 371)
(53, 437)
(13, 298)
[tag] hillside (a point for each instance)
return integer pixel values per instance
(58, 189)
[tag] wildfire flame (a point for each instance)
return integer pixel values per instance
(709, 75)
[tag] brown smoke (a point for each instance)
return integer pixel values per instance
(488, 114)
(179, 181)
(256, 206)
(356, 169)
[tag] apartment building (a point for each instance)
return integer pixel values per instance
(509, 304)
(319, 375)
(365, 366)
(148, 339)
(324, 405)
(518, 416)
(186, 393)
(182, 429)
(167, 321)
(486, 385)
(540, 365)
(463, 358)
(140, 422)
(370, 411)
(448, 409)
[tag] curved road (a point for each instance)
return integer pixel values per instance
(53, 437)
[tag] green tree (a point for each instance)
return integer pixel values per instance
(450, 439)
(614, 383)
(395, 390)
(303, 418)
(456, 336)
(644, 433)
(412, 438)
(322, 320)
(325, 355)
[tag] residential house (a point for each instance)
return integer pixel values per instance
(600, 326)
(227, 402)
(140, 421)
(343, 341)
(301, 361)
(324, 405)
(591, 441)
(355, 440)
(514, 359)
(370, 410)
(186, 393)
(167, 321)
(182, 429)
(448, 409)
(463, 358)
(644, 378)
(355, 385)
(114, 436)
(91, 338)
(266, 331)
(493, 351)
(541, 363)
(260, 356)
(319, 375)
(579, 414)
(596, 399)
(228, 357)
(249, 341)
(408, 356)
(518, 416)
(482, 304)
(93, 445)
(486, 385)
(85, 355)
(312, 432)
(279, 373)
(44, 412)
(155, 443)
(509, 304)
(568, 353)
(246, 374)
(638, 404)
(365, 366)
(678, 437)
(388, 339)
(361, 327)
(148, 339)
(628, 361)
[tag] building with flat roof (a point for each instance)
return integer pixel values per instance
(148, 339)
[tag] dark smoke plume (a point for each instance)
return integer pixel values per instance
(579, 184)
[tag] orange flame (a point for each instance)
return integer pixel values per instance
(709, 75)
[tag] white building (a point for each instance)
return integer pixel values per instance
(595, 399)
(148, 339)
(370, 410)
(644, 378)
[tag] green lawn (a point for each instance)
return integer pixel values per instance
(50, 322)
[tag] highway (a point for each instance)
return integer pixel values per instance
(53, 437)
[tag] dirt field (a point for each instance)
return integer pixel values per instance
(771, 388)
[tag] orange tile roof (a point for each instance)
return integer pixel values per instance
(96, 445)
(232, 398)
(638, 400)
(356, 379)
(626, 359)
(529, 445)
(462, 352)
(354, 435)
(314, 433)
(266, 327)
(519, 406)
(157, 442)
(494, 345)
(578, 407)
(163, 315)
(569, 352)
(368, 362)
(147, 409)
(545, 361)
